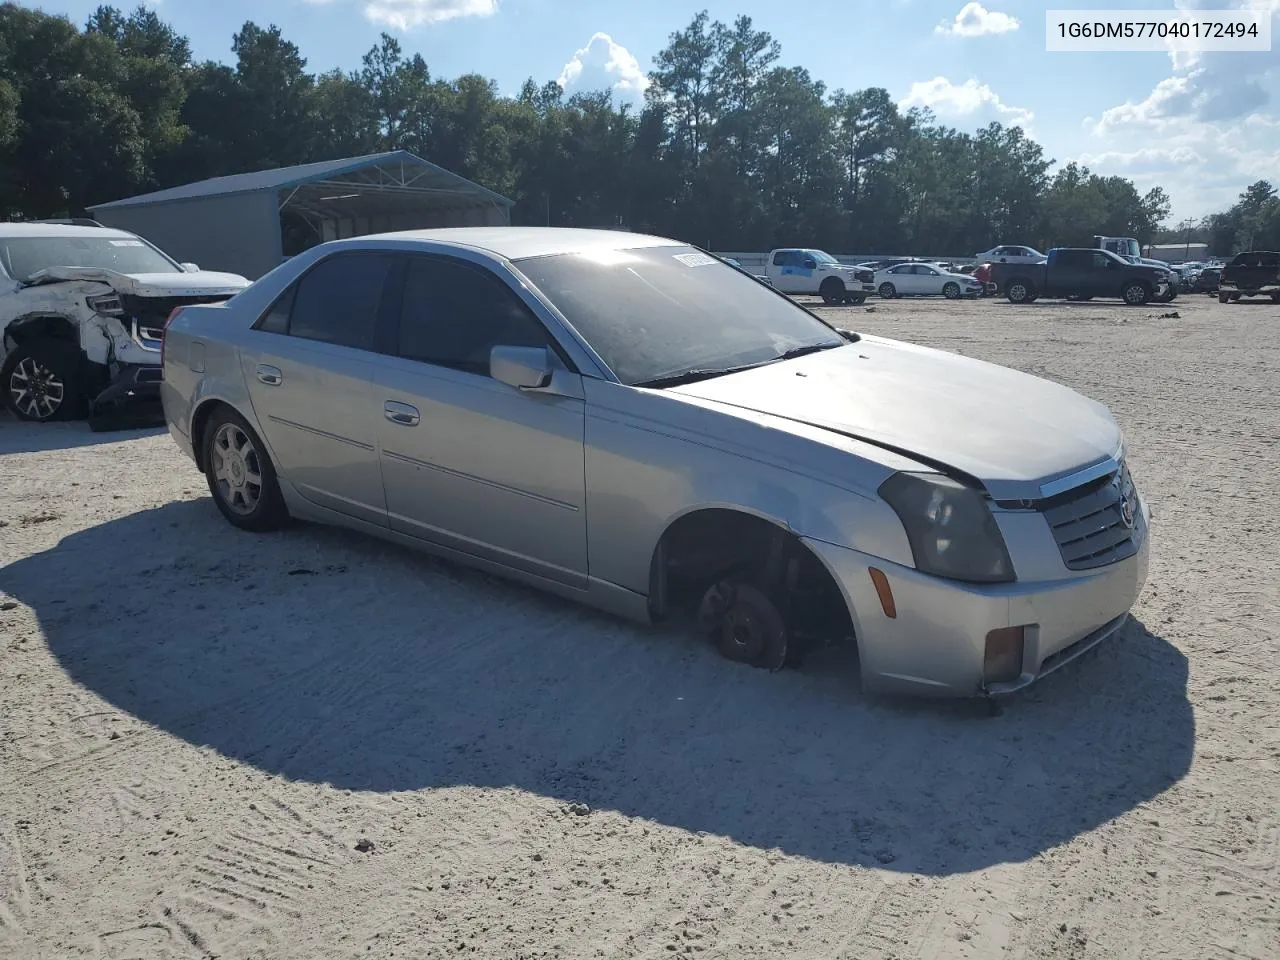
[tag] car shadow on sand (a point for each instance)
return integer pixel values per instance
(21, 436)
(328, 657)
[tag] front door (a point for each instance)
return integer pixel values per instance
(310, 367)
(469, 462)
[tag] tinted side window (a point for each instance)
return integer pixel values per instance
(338, 300)
(454, 313)
(276, 319)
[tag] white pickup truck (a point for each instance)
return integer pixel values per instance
(796, 270)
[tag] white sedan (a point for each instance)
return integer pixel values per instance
(924, 280)
(1010, 253)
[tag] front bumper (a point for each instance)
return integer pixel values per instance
(935, 644)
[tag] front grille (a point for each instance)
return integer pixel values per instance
(1089, 523)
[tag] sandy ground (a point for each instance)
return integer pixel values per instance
(313, 745)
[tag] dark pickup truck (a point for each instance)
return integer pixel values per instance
(1080, 273)
(1252, 274)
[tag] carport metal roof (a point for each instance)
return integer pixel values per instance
(392, 182)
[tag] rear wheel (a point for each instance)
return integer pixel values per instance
(241, 476)
(888, 291)
(1222, 297)
(951, 291)
(42, 382)
(1275, 298)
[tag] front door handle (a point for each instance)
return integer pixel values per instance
(401, 413)
(269, 374)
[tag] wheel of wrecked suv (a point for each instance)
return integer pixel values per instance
(241, 476)
(951, 291)
(1135, 294)
(1019, 291)
(42, 382)
(831, 291)
(1224, 297)
(887, 290)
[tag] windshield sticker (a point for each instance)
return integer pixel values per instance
(694, 259)
(125, 243)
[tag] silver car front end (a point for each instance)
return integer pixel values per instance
(1081, 560)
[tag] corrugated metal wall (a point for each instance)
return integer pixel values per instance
(238, 233)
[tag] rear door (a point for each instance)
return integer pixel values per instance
(310, 367)
(469, 462)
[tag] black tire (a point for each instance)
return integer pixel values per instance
(1019, 291)
(235, 495)
(1135, 294)
(751, 628)
(951, 291)
(1275, 298)
(831, 291)
(1222, 297)
(887, 291)
(50, 368)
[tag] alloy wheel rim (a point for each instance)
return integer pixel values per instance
(237, 469)
(36, 391)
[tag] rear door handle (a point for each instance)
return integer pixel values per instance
(269, 374)
(401, 413)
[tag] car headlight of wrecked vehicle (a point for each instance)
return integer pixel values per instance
(950, 528)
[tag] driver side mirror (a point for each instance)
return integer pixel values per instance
(190, 267)
(810, 263)
(525, 368)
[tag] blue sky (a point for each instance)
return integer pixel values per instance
(1202, 127)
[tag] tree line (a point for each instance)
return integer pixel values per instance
(731, 149)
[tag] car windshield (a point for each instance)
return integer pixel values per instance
(23, 256)
(659, 312)
(822, 257)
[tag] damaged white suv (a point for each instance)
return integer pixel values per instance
(82, 315)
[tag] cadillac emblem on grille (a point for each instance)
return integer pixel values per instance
(1128, 499)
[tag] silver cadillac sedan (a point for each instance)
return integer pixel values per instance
(630, 422)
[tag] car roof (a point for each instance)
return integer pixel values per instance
(518, 243)
(10, 231)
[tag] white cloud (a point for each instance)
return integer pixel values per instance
(1203, 167)
(1207, 87)
(947, 99)
(404, 15)
(1213, 122)
(604, 64)
(975, 20)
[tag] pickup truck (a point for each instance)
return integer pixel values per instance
(795, 270)
(1252, 274)
(1080, 273)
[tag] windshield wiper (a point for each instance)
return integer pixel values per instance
(706, 373)
(693, 376)
(805, 351)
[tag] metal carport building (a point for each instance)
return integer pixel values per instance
(248, 223)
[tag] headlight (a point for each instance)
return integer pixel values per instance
(107, 304)
(951, 530)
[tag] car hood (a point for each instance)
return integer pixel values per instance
(1010, 430)
(203, 283)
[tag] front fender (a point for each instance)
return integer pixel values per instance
(652, 459)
